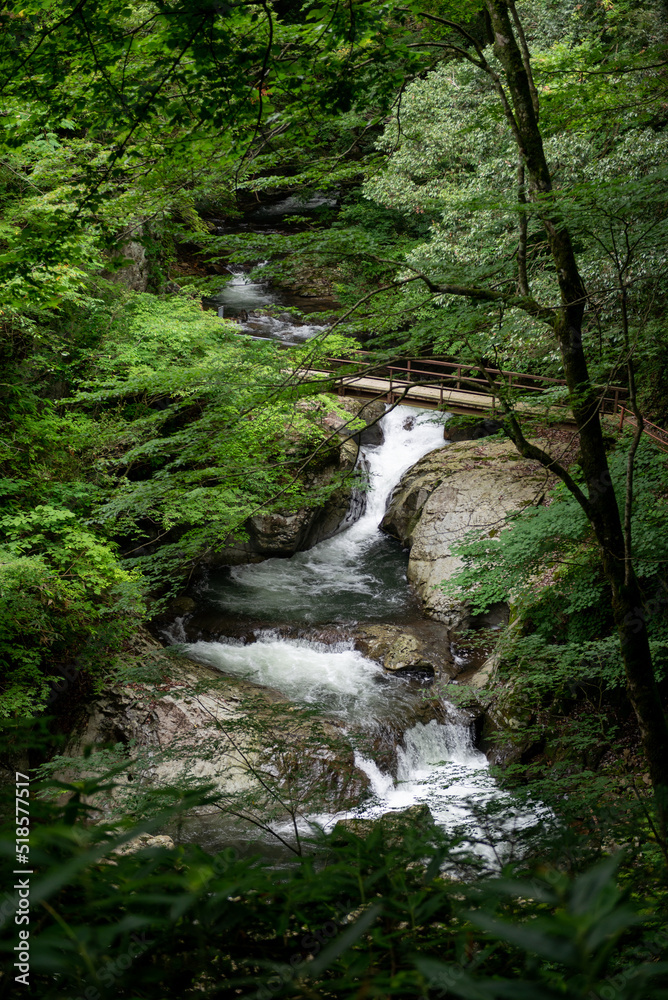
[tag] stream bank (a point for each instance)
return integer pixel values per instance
(469, 486)
(281, 534)
(336, 628)
(326, 609)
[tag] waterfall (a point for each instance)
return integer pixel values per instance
(356, 575)
(359, 574)
(437, 765)
(249, 300)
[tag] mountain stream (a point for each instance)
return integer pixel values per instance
(358, 575)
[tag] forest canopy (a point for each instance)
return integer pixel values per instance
(489, 182)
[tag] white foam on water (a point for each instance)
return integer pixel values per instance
(277, 328)
(437, 763)
(439, 767)
(241, 292)
(337, 677)
(338, 565)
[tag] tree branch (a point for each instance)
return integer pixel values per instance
(526, 58)
(532, 451)
(481, 63)
(522, 278)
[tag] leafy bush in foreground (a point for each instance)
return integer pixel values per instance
(371, 915)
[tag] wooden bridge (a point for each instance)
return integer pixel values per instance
(460, 388)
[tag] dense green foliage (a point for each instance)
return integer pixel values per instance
(374, 908)
(560, 652)
(184, 430)
(133, 426)
(140, 434)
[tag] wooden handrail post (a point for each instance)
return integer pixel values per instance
(621, 419)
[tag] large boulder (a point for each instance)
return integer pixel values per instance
(422, 648)
(135, 272)
(282, 533)
(395, 826)
(465, 486)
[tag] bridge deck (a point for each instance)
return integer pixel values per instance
(415, 394)
(408, 392)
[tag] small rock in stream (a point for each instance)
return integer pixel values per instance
(395, 825)
(422, 648)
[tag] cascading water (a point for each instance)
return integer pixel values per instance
(357, 575)
(335, 677)
(438, 766)
(249, 300)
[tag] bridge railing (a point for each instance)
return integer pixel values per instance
(465, 377)
(656, 433)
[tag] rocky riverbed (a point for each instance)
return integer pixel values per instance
(379, 668)
(468, 486)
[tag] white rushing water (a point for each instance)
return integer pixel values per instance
(241, 292)
(437, 763)
(244, 295)
(438, 766)
(336, 677)
(358, 573)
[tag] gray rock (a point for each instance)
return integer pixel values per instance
(177, 728)
(464, 486)
(423, 648)
(395, 825)
(135, 274)
(281, 534)
(181, 606)
(145, 841)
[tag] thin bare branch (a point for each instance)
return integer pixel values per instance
(526, 58)
(522, 277)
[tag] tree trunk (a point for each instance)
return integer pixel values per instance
(603, 510)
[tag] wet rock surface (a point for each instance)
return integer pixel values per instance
(465, 486)
(281, 534)
(187, 728)
(420, 649)
(145, 841)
